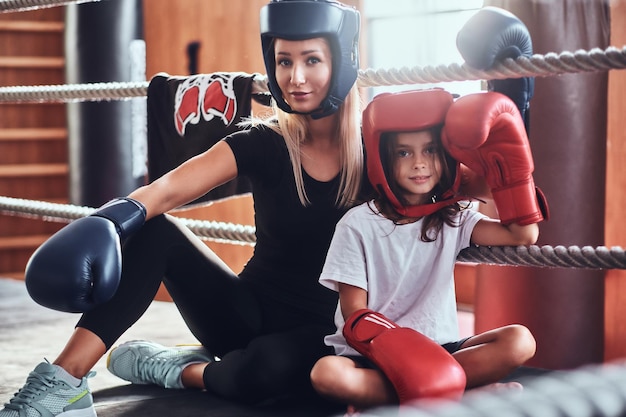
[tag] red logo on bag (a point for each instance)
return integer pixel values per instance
(205, 96)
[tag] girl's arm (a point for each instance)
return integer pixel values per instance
(351, 299)
(190, 180)
(490, 232)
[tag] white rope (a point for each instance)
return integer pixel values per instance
(210, 230)
(535, 66)
(544, 256)
(24, 5)
(560, 256)
(74, 92)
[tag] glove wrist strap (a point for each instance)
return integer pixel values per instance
(127, 214)
(518, 203)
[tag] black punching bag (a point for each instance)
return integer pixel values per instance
(105, 137)
(564, 308)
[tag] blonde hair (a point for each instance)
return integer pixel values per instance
(294, 129)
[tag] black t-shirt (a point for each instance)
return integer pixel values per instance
(291, 239)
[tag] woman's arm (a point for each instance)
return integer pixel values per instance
(490, 232)
(351, 299)
(191, 180)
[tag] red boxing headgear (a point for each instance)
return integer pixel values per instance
(406, 111)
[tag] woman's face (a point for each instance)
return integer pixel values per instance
(416, 166)
(303, 72)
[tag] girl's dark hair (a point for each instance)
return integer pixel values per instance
(433, 223)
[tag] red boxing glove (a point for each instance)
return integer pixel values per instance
(485, 132)
(416, 365)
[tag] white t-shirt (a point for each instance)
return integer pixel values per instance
(409, 281)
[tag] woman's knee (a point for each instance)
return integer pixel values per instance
(267, 368)
(246, 378)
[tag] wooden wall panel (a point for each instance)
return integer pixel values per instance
(615, 230)
(50, 14)
(40, 115)
(228, 32)
(33, 150)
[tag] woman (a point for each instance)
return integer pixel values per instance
(267, 324)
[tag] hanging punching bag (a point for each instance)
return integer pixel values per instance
(105, 137)
(563, 307)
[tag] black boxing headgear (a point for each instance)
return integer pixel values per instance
(306, 19)
(406, 111)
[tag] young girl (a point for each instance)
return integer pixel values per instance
(395, 255)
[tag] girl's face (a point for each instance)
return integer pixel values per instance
(303, 72)
(416, 165)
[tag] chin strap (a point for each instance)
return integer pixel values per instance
(422, 210)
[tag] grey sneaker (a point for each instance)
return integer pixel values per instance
(144, 362)
(45, 394)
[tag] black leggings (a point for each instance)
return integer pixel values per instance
(266, 351)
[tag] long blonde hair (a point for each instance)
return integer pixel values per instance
(294, 129)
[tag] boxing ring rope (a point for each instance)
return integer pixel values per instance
(210, 230)
(586, 257)
(537, 65)
(74, 92)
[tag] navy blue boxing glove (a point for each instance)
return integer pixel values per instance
(80, 266)
(490, 36)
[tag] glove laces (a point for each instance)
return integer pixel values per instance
(155, 370)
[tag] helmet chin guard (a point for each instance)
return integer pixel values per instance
(306, 19)
(405, 111)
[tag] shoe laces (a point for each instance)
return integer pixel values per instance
(35, 384)
(154, 370)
